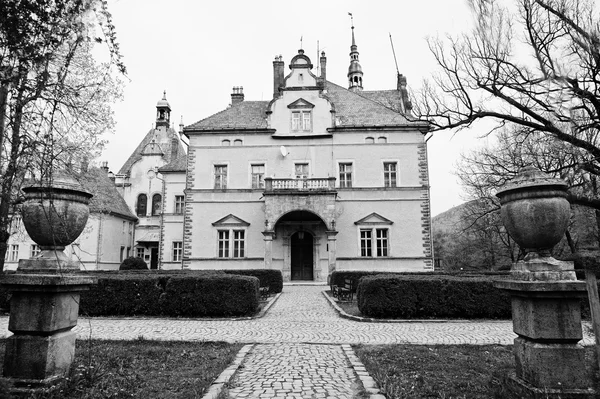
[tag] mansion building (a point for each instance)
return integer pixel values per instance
(319, 178)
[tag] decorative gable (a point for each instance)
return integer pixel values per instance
(231, 220)
(301, 103)
(374, 219)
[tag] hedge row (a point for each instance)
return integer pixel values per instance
(338, 277)
(189, 296)
(424, 297)
(180, 294)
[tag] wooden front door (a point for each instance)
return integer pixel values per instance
(153, 257)
(302, 256)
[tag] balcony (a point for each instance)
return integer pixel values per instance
(290, 186)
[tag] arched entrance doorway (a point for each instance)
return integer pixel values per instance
(302, 262)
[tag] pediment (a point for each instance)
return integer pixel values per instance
(301, 103)
(373, 218)
(231, 220)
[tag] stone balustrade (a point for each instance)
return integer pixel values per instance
(302, 184)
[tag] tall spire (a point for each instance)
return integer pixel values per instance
(355, 73)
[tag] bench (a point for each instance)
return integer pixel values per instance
(265, 292)
(344, 292)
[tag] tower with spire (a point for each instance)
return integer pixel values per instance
(355, 74)
(163, 112)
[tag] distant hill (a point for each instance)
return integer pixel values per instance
(447, 221)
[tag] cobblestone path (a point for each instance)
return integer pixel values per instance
(295, 371)
(300, 315)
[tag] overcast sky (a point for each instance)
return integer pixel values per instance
(198, 50)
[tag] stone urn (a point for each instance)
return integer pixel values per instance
(545, 294)
(54, 217)
(45, 290)
(535, 211)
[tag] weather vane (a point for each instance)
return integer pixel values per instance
(351, 19)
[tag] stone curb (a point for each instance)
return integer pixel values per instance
(223, 379)
(361, 372)
(345, 315)
(258, 316)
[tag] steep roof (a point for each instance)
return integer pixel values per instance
(243, 115)
(366, 108)
(177, 165)
(354, 109)
(164, 141)
(106, 197)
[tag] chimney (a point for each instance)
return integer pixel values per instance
(237, 96)
(323, 60)
(104, 167)
(406, 105)
(174, 148)
(277, 75)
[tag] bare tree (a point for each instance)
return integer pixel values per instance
(54, 97)
(533, 67)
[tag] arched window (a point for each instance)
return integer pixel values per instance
(382, 139)
(226, 143)
(156, 204)
(369, 140)
(142, 205)
(237, 142)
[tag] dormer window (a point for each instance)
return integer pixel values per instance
(301, 114)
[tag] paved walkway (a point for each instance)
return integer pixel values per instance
(301, 315)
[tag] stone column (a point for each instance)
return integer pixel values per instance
(268, 237)
(331, 246)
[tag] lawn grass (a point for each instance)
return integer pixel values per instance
(142, 369)
(448, 371)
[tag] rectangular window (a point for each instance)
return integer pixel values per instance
(128, 252)
(179, 204)
(221, 177)
(345, 175)
(301, 121)
(382, 242)
(258, 175)
(35, 250)
(124, 226)
(140, 253)
(177, 251)
(14, 253)
(223, 243)
(366, 243)
(390, 174)
(238, 243)
(122, 254)
(301, 170)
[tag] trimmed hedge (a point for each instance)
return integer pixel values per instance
(205, 294)
(339, 276)
(267, 277)
(431, 296)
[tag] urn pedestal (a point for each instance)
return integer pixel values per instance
(45, 290)
(545, 294)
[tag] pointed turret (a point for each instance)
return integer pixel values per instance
(163, 112)
(355, 73)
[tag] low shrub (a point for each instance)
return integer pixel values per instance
(178, 294)
(133, 263)
(267, 277)
(431, 296)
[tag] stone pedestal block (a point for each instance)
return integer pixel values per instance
(552, 366)
(43, 311)
(37, 359)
